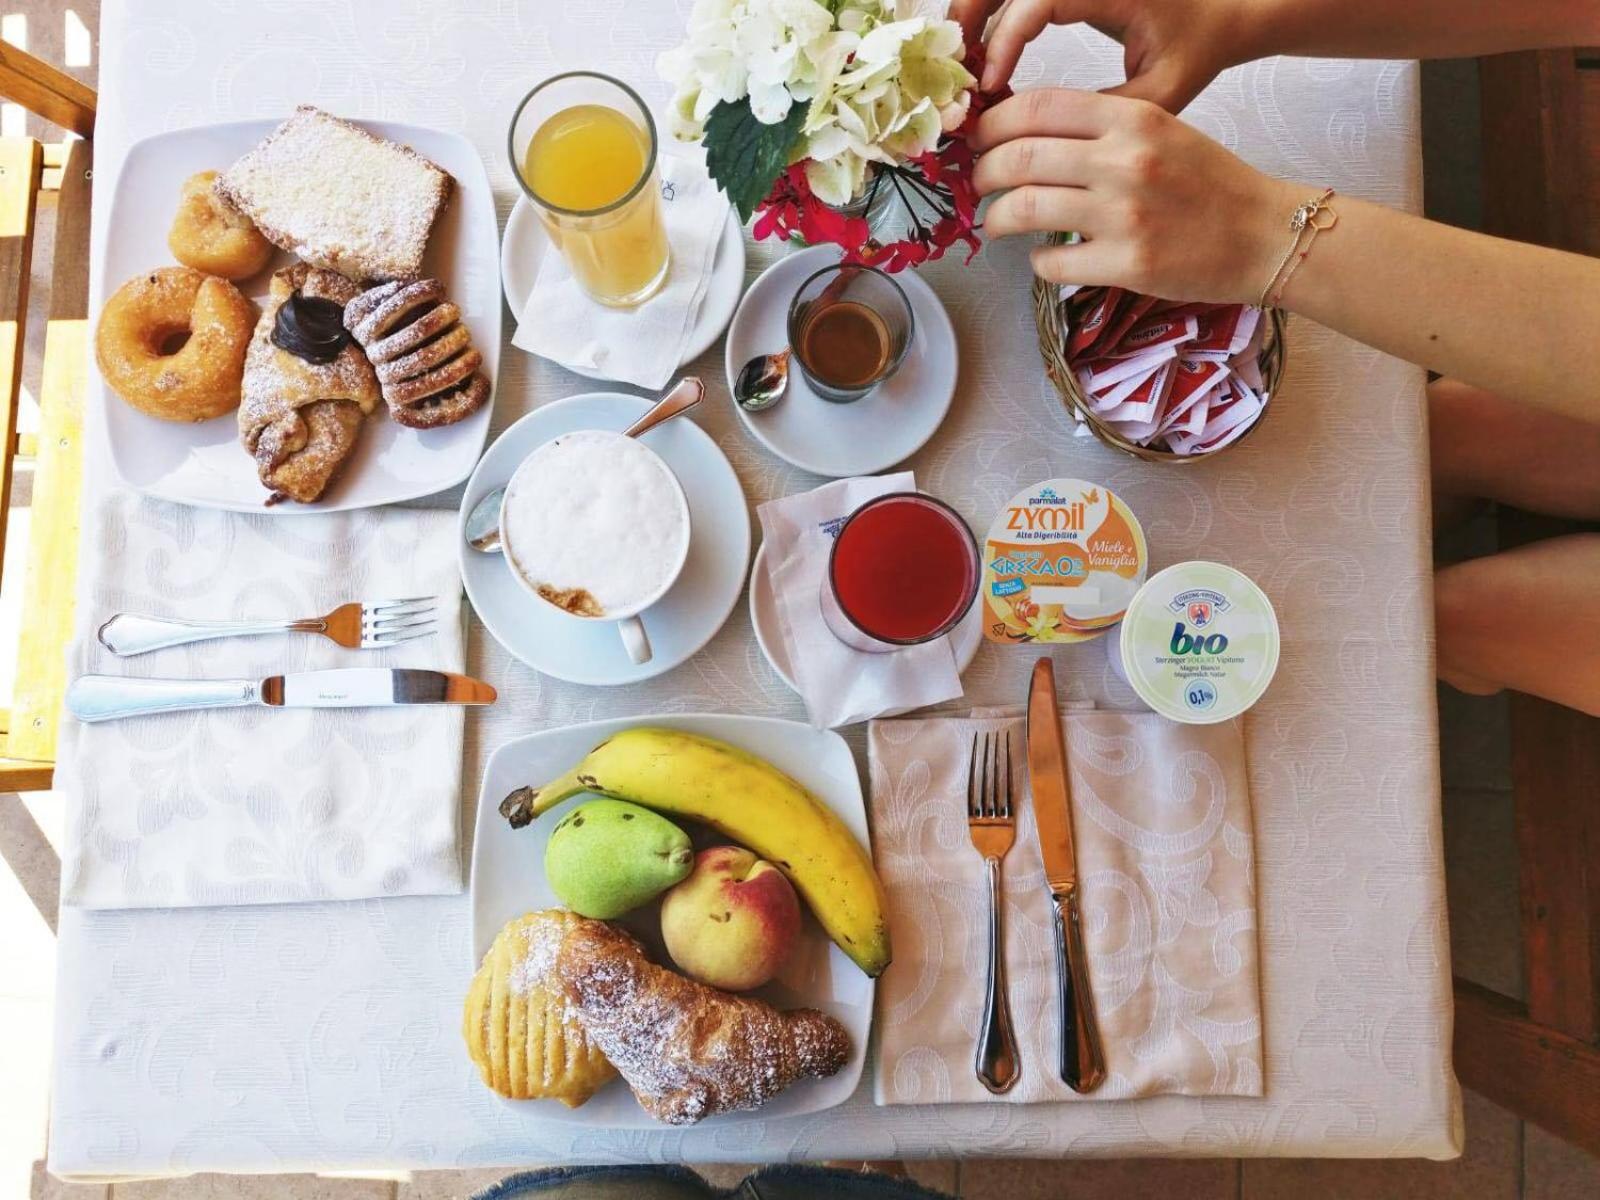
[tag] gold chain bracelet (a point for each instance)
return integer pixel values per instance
(1308, 220)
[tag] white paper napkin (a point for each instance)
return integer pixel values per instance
(1163, 827)
(262, 805)
(645, 345)
(841, 685)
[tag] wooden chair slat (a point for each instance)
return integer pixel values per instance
(19, 181)
(46, 90)
(1540, 1074)
(51, 582)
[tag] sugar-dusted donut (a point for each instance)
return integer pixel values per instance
(136, 343)
(209, 236)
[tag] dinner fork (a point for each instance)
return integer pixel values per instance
(991, 822)
(368, 625)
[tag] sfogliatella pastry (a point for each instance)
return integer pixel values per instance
(209, 236)
(307, 386)
(171, 342)
(689, 1051)
(423, 354)
(519, 1029)
(339, 197)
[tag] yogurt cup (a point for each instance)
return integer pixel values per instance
(1061, 563)
(1199, 643)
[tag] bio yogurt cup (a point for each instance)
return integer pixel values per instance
(1199, 643)
(1060, 564)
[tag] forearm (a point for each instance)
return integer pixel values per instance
(1521, 321)
(1412, 28)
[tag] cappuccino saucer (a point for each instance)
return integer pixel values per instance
(887, 425)
(683, 620)
(965, 638)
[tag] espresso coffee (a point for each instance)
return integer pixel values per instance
(595, 523)
(845, 343)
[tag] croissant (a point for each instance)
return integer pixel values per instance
(300, 417)
(688, 1051)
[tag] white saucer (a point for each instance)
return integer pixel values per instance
(965, 638)
(683, 620)
(525, 241)
(883, 428)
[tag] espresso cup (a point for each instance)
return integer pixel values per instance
(850, 327)
(595, 526)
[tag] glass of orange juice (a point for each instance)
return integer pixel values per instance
(583, 146)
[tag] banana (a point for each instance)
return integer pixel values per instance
(750, 801)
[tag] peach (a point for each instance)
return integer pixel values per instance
(733, 921)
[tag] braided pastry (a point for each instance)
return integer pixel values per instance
(426, 363)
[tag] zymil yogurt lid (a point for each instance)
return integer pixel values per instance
(1199, 643)
(1060, 564)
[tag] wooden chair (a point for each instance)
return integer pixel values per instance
(28, 168)
(1541, 1059)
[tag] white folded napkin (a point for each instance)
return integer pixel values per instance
(645, 345)
(841, 685)
(1162, 822)
(261, 805)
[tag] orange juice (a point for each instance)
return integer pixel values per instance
(582, 164)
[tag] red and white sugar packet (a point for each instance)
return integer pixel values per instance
(1142, 404)
(1108, 394)
(1154, 332)
(1247, 363)
(1196, 382)
(1224, 331)
(1099, 375)
(1226, 421)
(1089, 320)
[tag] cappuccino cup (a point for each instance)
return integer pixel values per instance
(595, 526)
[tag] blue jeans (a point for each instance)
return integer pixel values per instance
(680, 1183)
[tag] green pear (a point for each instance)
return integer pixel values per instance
(607, 857)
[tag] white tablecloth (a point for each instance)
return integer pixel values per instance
(326, 1036)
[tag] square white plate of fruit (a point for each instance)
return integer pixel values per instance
(509, 878)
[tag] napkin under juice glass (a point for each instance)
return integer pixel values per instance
(839, 683)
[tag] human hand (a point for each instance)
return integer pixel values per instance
(1171, 48)
(1162, 208)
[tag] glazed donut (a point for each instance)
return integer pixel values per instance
(211, 237)
(200, 379)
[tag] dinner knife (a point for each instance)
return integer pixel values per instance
(1083, 1064)
(111, 697)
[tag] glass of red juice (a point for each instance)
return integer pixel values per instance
(904, 570)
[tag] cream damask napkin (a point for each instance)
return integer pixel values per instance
(1161, 813)
(257, 805)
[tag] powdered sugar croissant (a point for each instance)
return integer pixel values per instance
(688, 1051)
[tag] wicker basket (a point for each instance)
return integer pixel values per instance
(1053, 346)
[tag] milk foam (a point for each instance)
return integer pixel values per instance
(595, 512)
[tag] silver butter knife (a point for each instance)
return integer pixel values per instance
(111, 697)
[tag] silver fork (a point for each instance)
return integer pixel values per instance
(991, 822)
(367, 625)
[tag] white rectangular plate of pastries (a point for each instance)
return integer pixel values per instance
(203, 463)
(508, 880)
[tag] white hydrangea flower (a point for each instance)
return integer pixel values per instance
(883, 83)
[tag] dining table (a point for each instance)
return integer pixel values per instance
(326, 1036)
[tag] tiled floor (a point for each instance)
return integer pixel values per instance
(1504, 1159)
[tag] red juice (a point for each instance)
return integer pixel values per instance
(904, 568)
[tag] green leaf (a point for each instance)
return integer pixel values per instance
(746, 157)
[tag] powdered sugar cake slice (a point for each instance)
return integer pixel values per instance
(339, 197)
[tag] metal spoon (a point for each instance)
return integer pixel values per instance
(483, 522)
(762, 381)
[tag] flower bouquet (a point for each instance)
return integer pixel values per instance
(818, 115)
